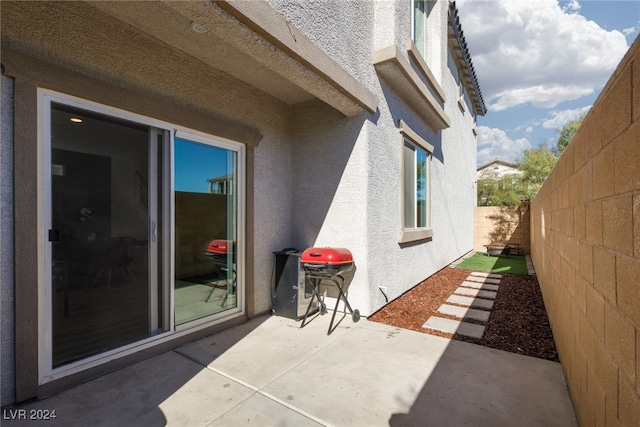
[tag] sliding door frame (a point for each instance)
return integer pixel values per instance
(163, 298)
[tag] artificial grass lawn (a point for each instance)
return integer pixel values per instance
(515, 264)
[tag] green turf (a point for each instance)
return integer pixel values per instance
(515, 264)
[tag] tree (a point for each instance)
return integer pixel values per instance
(499, 191)
(566, 132)
(536, 165)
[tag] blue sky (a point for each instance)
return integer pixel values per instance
(541, 63)
(195, 163)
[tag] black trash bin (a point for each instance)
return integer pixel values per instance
(292, 292)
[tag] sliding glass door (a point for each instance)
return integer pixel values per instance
(143, 230)
(100, 233)
(205, 191)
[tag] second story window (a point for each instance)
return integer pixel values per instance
(419, 18)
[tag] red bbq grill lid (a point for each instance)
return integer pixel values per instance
(219, 246)
(328, 256)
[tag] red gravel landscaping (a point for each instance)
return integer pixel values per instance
(518, 321)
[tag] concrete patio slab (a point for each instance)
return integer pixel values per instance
(487, 280)
(470, 302)
(364, 374)
(480, 285)
(167, 389)
(288, 343)
(464, 312)
(451, 326)
(325, 385)
(264, 411)
(475, 293)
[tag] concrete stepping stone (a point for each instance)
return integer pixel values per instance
(480, 285)
(530, 268)
(454, 327)
(464, 312)
(483, 280)
(489, 275)
(470, 302)
(475, 293)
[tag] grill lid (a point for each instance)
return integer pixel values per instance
(328, 256)
(221, 246)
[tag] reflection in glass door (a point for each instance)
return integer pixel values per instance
(101, 293)
(205, 192)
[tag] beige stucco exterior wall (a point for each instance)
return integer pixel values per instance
(501, 224)
(585, 229)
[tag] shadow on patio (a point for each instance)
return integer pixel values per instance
(268, 371)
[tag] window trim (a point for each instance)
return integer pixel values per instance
(412, 234)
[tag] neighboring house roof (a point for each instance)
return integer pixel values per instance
(467, 71)
(500, 167)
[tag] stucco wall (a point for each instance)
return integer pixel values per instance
(6, 241)
(502, 224)
(318, 177)
(585, 232)
(346, 172)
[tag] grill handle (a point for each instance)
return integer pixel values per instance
(315, 254)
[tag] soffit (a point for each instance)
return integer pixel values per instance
(91, 36)
(253, 43)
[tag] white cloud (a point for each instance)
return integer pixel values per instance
(560, 118)
(629, 31)
(537, 52)
(572, 6)
(494, 143)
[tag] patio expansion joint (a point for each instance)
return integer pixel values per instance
(260, 390)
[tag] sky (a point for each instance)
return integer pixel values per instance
(540, 64)
(196, 163)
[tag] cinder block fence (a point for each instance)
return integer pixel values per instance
(585, 243)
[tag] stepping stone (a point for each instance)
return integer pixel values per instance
(464, 312)
(454, 327)
(483, 280)
(470, 302)
(475, 293)
(480, 285)
(489, 275)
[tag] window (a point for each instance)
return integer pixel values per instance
(419, 17)
(416, 194)
(461, 96)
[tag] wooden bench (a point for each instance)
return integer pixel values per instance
(498, 249)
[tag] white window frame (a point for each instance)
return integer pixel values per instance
(46, 373)
(414, 233)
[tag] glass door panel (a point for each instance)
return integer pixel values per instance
(100, 297)
(205, 192)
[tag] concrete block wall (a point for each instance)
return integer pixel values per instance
(585, 232)
(501, 224)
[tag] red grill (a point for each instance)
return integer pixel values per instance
(328, 264)
(221, 247)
